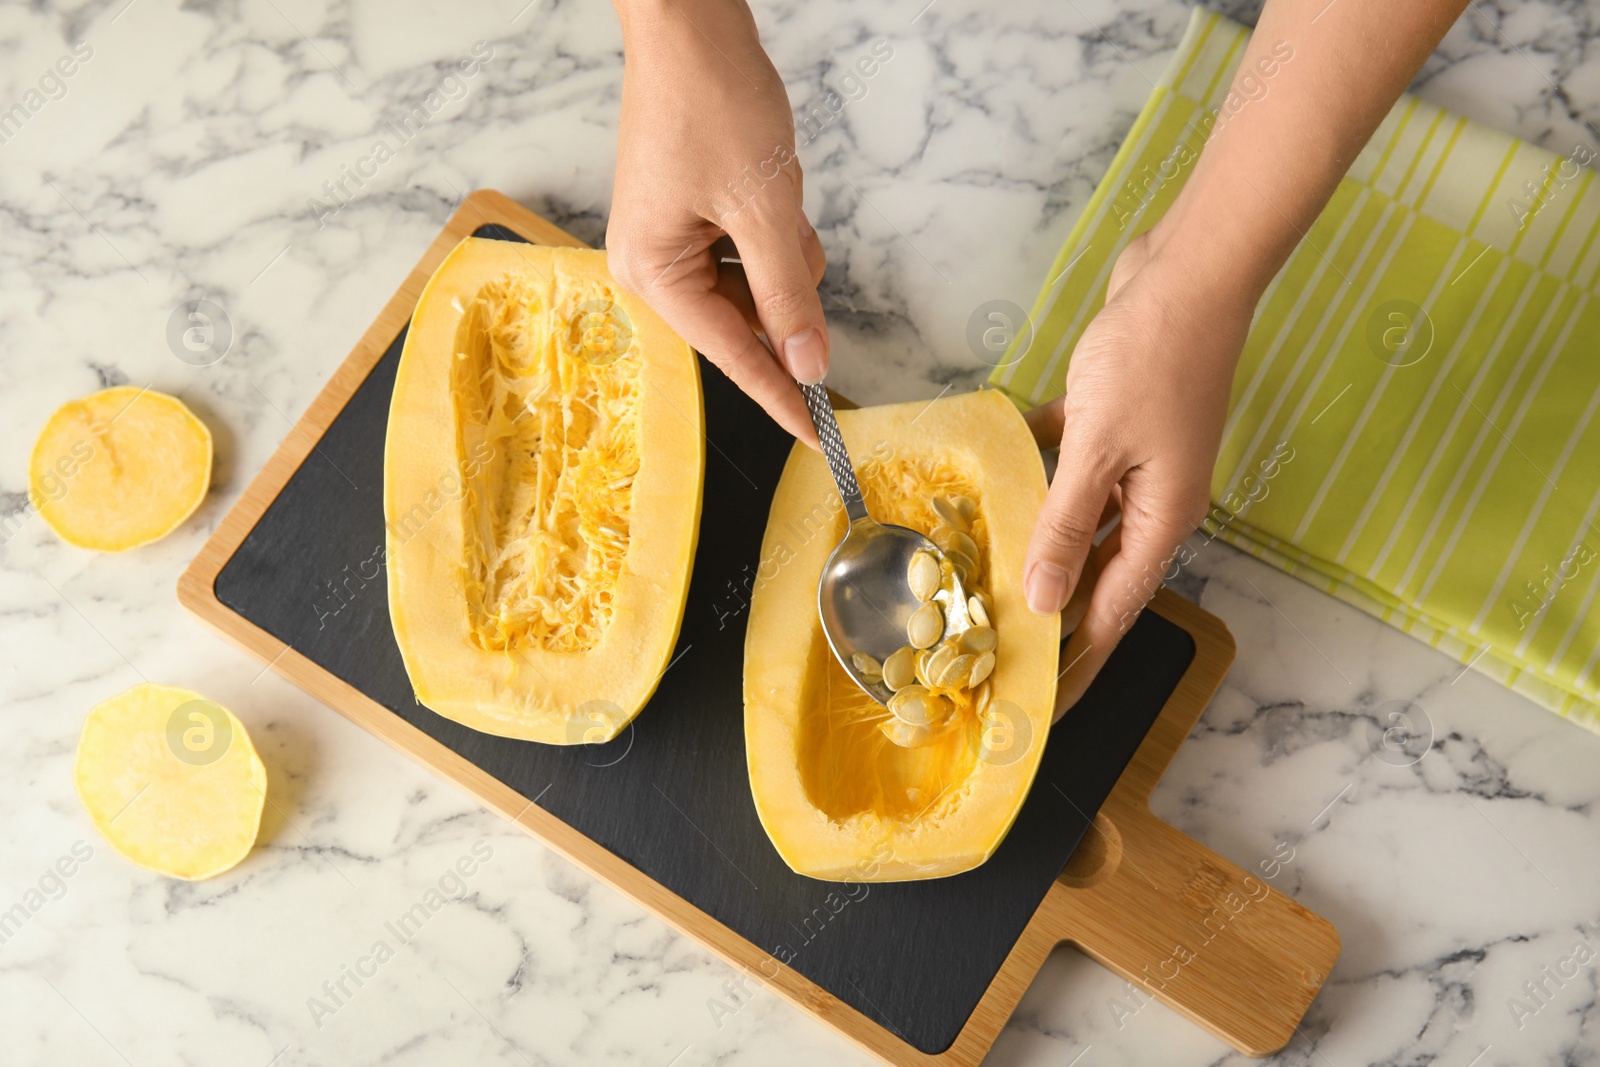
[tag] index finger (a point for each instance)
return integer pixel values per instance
(689, 294)
(715, 327)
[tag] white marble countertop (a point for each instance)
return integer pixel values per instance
(178, 161)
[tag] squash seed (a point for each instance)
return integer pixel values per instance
(978, 639)
(942, 706)
(963, 564)
(923, 575)
(965, 507)
(934, 666)
(980, 699)
(899, 670)
(981, 668)
(956, 670)
(911, 705)
(978, 611)
(926, 626)
(905, 734)
(949, 514)
(956, 541)
(866, 664)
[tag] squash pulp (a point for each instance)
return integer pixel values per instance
(120, 468)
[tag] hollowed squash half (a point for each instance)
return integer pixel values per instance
(542, 481)
(839, 799)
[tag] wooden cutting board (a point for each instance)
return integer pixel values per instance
(916, 973)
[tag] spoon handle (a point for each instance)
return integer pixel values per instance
(844, 475)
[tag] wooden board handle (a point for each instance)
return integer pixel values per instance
(1191, 930)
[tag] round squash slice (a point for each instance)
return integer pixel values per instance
(542, 480)
(120, 468)
(171, 780)
(845, 788)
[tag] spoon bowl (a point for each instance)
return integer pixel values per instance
(866, 602)
(864, 597)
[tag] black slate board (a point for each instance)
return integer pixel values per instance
(671, 795)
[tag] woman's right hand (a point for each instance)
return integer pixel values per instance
(706, 152)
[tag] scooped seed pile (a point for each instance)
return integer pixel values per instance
(947, 659)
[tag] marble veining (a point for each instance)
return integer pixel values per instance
(193, 153)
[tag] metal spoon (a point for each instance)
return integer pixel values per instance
(864, 598)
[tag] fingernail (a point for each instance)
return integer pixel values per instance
(806, 357)
(1047, 588)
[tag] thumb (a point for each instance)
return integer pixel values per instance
(769, 240)
(1064, 531)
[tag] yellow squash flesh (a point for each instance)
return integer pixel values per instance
(542, 482)
(838, 799)
(120, 468)
(171, 780)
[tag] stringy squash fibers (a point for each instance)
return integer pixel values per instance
(542, 481)
(838, 798)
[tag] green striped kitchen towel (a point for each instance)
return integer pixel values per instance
(1412, 422)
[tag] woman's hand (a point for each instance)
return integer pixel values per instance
(706, 153)
(1147, 389)
(1138, 428)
